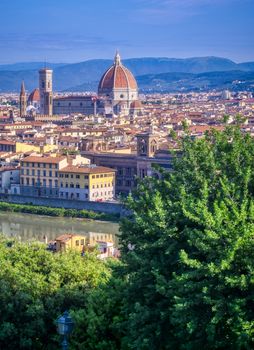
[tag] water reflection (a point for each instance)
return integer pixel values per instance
(28, 227)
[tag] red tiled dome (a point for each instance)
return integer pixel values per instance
(136, 104)
(117, 77)
(34, 96)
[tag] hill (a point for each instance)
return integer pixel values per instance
(86, 74)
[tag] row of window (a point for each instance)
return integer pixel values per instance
(98, 194)
(101, 175)
(36, 182)
(102, 185)
(77, 176)
(71, 195)
(41, 165)
(39, 172)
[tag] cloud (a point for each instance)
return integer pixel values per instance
(171, 11)
(55, 42)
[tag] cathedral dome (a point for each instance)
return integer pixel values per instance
(117, 77)
(34, 96)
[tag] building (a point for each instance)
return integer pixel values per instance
(131, 166)
(66, 105)
(70, 241)
(45, 88)
(9, 179)
(22, 101)
(118, 89)
(39, 175)
(66, 178)
(87, 182)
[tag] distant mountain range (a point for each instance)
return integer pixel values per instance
(152, 74)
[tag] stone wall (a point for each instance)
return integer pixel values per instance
(104, 207)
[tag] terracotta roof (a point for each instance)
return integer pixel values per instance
(136, 104)
(7, 142)
(65, 237)
(38, 159)
(86, 169)
(117, 77)
(34, 96)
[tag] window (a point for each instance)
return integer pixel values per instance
(66, 175)
(44, 173)
(56, 183)
(77, 186)
(86, 177)
(50, 166)
(50, 173)
(77, 195)
(66, 185)
(72, 185)
(50, 183)
(61, 185)
(71, 176)
(82, 242)
(86, 187)
(27, 171)
(77, 176)
(33, 172)
(39, 165)
(93, 176)
(27, 181)
(77, 242)
(38, 173)
(97, 176)
(44, 182)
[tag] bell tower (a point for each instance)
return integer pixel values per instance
(46, 92)
(22, 100)
(147, 144)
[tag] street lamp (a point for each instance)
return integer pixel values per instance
(65, 327)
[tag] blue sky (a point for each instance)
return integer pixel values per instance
(76, 30)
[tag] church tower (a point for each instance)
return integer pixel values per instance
(22, 100)
(147, 144)
(46, 93)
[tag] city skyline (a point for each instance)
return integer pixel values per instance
(78, 31)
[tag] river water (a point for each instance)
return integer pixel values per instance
(27, 227)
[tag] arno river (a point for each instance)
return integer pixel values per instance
(27, 227)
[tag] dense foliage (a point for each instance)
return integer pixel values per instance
(186, 277)
(191, 264)
(36, 286)
(187, 274)
(42, 210)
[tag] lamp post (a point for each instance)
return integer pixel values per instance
(64, 328)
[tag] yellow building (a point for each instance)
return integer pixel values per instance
(70, 241)
(87, 182)
(39, 175)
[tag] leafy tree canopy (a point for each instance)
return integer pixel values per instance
(188, 249)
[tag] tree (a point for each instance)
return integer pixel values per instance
(188, 249)
(36, 286)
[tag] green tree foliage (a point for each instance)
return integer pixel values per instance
(36, 286)
(188, 250)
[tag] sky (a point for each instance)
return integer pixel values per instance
(77, 30)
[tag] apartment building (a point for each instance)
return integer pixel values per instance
(87, 182)
(39, 175)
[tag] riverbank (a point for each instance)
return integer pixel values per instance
(58, 212)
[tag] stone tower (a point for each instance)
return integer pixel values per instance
(147, 144)
(46, 95)
(22, 100)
